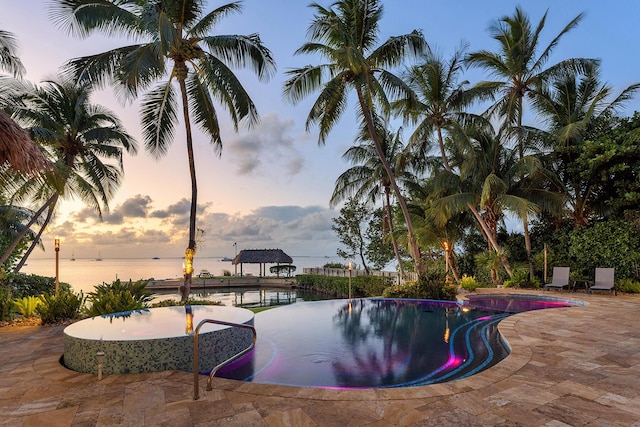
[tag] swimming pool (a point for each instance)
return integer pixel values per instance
(367, 343)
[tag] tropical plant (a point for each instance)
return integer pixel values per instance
(487, 185)
(26, 306)
(469, 283)
(6, 302)
(345, 34)
(176, 44)
(9, 59)
(59, 308)
(521, 279)
(628, 286)
(436, 105)
(367, 179)
(577, 109)
(78, 137)
(520, 72)
(118, 297)
(13, 220)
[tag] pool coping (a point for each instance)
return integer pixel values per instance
(573, 366)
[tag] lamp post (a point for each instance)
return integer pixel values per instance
(235, 266)
(350, 266)
(57, 248)
(446, 257)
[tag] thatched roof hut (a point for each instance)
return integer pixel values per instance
(17, 149)
(262, 257)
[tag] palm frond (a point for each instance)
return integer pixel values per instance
(159, 118)
(203, 111)
(242, 51)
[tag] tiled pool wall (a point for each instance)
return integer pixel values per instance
(151, 355)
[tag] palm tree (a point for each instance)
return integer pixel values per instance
(570, 106)
(345, 34)
(367, 180)
(177, 46)
(437, 102)
(78, 137)
(520, 72)
(9, 59)
(488, 184)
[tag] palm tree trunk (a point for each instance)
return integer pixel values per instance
(525, 220)
(453, 266)
(394, 241)
(185, 289)
(490, 238)
(443, 153)
(52, 207)
(413, 242)
(7, 253)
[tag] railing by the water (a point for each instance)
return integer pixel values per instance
(196, 374)
(344, 272)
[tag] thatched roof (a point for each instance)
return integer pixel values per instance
(17, 149)
(262, 256)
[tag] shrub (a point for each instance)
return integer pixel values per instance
(65, 306)
(628, 286)
(612, 243)
(190, 301)
(117, 297)
(432, 285)
(405, 290)
(361, 286)
(521, 279)
(24, 285)
(6, 303)
(469, 283)
(26, 306)
(335, 265)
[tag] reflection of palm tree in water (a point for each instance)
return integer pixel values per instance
(388, 343)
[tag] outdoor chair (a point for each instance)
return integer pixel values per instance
(560, 278)
(604, 281)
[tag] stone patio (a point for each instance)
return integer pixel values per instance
(577, 366)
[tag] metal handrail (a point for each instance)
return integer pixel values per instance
(196, 375)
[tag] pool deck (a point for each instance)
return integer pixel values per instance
(577, 366)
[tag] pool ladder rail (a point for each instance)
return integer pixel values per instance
(196, 374)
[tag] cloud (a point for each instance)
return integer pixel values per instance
(304, 230)
(136, 206)
(269, 144)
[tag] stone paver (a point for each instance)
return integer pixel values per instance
(576, 366)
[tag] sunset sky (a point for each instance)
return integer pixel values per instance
(272, 184)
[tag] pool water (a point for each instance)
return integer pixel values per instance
(366, 343)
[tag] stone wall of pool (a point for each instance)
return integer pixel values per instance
(155, 339)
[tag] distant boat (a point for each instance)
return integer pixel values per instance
(226, 259)
(155, 257)
(99, 257)
(73, 257)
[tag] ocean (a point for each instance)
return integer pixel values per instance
(84, 274)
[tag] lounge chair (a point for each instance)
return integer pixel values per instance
(604, 281)
(560, 278)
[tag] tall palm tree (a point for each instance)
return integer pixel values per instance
(367, 179)
(345, 34)
(177, 47)
(520, 71)
(488, 184)
(437, 103)
(570, 106)
(78, 137)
